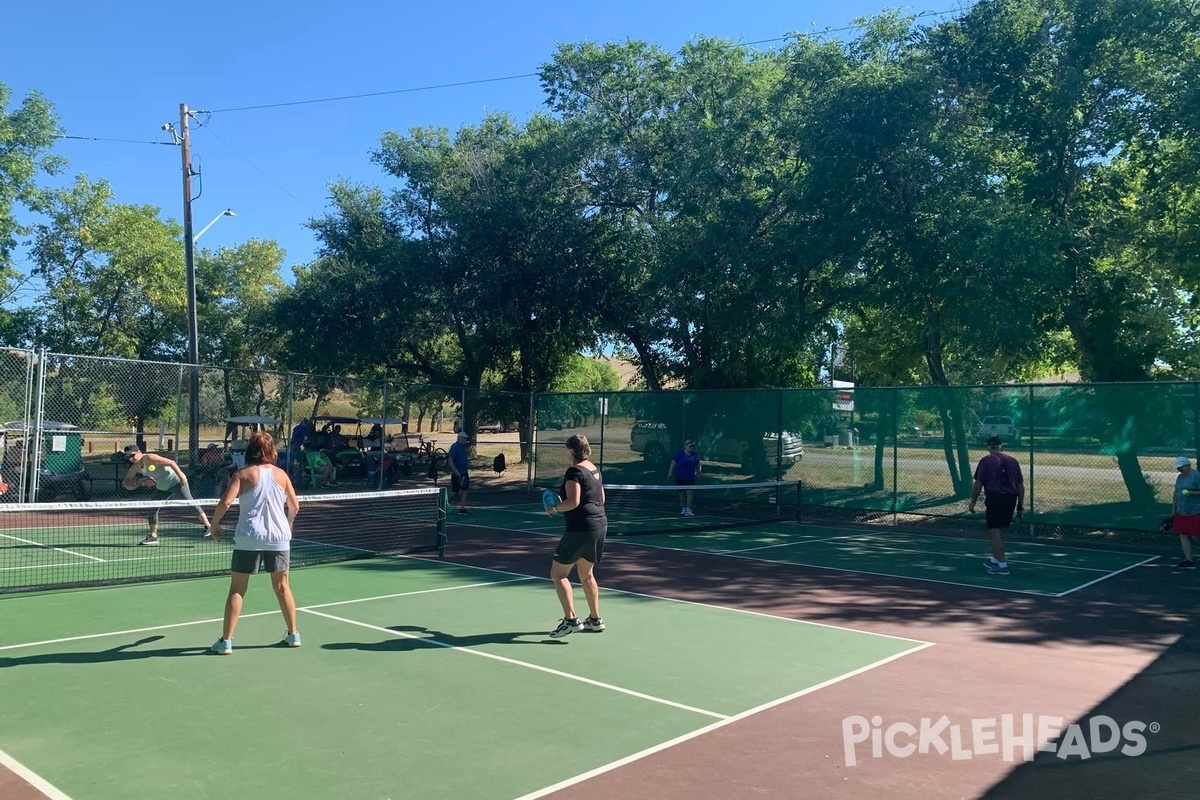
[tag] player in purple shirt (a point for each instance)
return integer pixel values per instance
(998, 476)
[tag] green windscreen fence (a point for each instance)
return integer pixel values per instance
(1096, 458)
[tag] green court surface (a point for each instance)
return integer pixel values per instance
(416, 679)
(107, 550)
(1042, 569)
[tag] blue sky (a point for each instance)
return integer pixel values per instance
(120, 71)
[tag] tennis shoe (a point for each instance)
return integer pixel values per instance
(292, 639)
(683, 512)
(594, 624)
(995, 568)
(463, 511)
(223, 647)
(566, 626)
(1186, 564)
(149, 541)
(687, 512)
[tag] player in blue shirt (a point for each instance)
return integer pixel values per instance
(686, 468)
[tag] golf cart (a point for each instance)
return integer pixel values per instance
(238, 430)
(60, 470)
(390, 451)
(345, 454)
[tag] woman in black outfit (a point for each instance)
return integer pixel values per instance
(582, 545)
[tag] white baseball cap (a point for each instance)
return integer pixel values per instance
(1182, 461)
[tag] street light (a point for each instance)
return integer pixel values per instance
(226, 213)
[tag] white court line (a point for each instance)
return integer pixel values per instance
(592, 773)
(32, 778)
(782, 544)
(255, 614)
(222, 552)
(1106, 577)
(687, 602)
(50, 547)
(632, 542)
(877, 545)
(525, 664)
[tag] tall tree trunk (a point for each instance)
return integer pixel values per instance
(954, 435)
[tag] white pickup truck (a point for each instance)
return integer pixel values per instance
(1004, 427)
(653, 441)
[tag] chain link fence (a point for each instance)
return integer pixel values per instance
(1097, 458)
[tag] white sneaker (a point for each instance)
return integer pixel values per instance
(292, 639)
(683, 512)
(687, 512)
(223, 647)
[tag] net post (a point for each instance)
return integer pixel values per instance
(443, 515)
(799, 498)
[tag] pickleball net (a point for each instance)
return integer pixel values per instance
(58, 545)
(636, 510)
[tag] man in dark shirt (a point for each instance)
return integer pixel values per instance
(998, 476)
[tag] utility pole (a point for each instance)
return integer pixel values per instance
(189, 254)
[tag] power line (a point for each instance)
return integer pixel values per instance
(104, 139)
(523, 76)
(260, 171)
(376, 94)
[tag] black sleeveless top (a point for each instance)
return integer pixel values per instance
(589, 514)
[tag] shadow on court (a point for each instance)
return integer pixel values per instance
(430, 638)
(1163, 697)
(123, 652)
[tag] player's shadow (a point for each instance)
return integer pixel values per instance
(427, 638)
(122, 652)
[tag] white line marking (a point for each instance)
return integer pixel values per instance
(1106, 577)
(255, 614)
(685, 602)
(865, 529)
(876, 544)
(525, 664)
(32, 778)
(782, 544)
(631, 541)
(50, 547)
(708, 728)
(419, 591)
(222, 552)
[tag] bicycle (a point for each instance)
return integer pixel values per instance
(427, 452)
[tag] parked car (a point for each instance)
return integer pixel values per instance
(1004, 427)
(491, 426)
(653, 441)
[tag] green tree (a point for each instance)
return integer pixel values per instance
(235, 290)
(27, 134)
(113, 278)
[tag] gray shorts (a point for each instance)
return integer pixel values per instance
(253, 562)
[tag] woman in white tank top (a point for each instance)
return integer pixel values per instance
(267, 507)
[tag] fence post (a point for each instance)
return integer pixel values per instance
(603, 409)
(1196, 421)
(33, 438)
(382, 438)
(895, 456)
(532, 442)
(779, 433)
(1031, 452)
(30, 377)
(178, 411)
